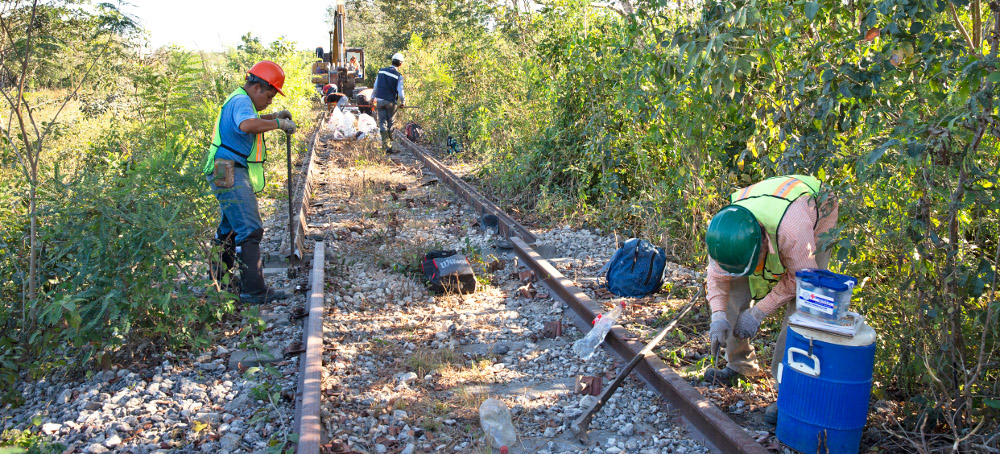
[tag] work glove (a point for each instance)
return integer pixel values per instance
(718, 331)
(287, 125)
(748, 323)
(283, 114)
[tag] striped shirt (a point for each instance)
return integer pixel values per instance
(798, 234)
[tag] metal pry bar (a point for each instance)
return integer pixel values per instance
(582, 424)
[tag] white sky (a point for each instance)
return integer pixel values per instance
(214, 24)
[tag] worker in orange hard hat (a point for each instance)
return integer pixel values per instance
(236, 173)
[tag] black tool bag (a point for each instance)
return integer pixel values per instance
(448, 272)
(413, 131)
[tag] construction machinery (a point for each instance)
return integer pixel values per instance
(347, 79)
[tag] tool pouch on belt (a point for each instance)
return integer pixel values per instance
(223, 173)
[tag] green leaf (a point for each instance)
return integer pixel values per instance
(878, 152)
(811, 8)
(994, 77)
(994, 403)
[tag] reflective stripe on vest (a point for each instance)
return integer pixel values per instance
(256, 157)
(768, 200)
(385, 88)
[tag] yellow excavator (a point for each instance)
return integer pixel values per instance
(345, 66)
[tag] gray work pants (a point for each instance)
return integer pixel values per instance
(386, 110)
(740, 354)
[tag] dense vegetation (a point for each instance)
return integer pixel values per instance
(643, 116)
(106, 220)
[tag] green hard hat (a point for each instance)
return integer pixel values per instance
(734, 240)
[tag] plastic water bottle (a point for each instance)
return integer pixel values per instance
(494, 417)
(586, 346)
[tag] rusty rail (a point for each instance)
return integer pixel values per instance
(719, 431)
(508, 226)
(308, 392)
(299, 221)
(307, 405)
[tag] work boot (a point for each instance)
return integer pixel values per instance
(771, 414)
(724, 377)
(254, 289)
(221, 264)
(384, 135)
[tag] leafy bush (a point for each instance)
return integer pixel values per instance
(124, 213)
(645, 123)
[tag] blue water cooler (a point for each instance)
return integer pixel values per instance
(824, 384)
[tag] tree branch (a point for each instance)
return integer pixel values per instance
(961, 27)
(977, 23)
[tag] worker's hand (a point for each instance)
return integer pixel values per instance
(283, 114)
(748, 322)
(287, 125)
(718, 331)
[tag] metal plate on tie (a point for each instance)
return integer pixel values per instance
(586, 384)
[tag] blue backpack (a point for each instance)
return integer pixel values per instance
(636, 269)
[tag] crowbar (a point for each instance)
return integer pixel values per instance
(582, 424)
(291, 231)
(373, 106)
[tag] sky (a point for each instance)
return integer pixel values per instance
(211, 25)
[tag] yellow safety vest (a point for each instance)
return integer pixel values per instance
(768, 200)
(256, 158)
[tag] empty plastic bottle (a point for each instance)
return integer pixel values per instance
(494, 417)
(586, 346)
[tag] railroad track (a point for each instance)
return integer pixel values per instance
(715, 429)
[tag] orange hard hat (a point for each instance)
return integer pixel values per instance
(271, 73)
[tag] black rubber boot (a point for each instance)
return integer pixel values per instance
(724, 377)
(386, 142)
(254, 289)
(222, 264)
(771, 414)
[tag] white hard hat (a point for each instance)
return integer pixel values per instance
(397, 57)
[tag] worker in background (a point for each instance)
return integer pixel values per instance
(388, 95)
(332, 97)
(365, 101)
(354, 67)
(755, 245)
(236, 173)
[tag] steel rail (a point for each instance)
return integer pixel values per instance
(307, 405)
(508, 226)
(308, 398)
(719, 431)
(299, 221)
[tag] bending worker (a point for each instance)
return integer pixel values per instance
(388, 93)
(365, 101)
(235, 170)
(755, 245)
(332, 97)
